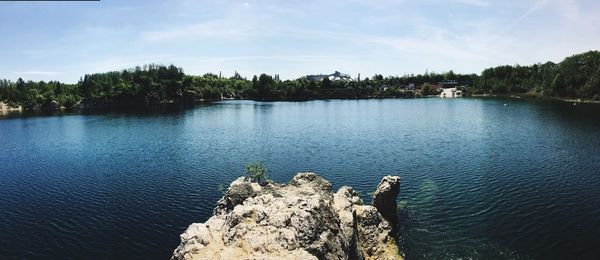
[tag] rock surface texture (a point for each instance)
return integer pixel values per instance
(301, 220)
(384, 199)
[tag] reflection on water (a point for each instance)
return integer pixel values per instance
(479, 180)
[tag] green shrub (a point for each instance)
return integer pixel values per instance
(256, 172)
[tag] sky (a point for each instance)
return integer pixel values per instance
(65, 40)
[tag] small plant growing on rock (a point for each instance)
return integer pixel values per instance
(256, 172)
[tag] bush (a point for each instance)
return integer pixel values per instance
(256, 172)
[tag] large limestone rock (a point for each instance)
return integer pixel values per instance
(384, 199)
(301, 220)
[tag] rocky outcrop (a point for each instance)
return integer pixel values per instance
(5, 107)
(301, 220)
(384, 199)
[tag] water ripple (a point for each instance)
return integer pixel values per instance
(492, 183)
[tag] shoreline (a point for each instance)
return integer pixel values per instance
(171, 104)
(535, 97)
(137, 106)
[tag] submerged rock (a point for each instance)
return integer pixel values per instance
(301, 220)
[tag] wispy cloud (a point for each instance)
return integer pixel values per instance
(221, 28)
(38, 73)
(527, 13)
(295, 37)
(297, 58)
(480, 3)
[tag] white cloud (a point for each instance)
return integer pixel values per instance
(209, 30)
(294, 38)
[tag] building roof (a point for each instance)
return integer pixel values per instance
(336, 75)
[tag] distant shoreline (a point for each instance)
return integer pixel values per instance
(536, 97)
(568, 81)
(172, 105)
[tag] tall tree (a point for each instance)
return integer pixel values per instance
(326, 83)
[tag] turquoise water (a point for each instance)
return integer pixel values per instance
(481, 178)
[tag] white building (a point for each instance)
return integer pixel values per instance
(334, 76)
(450, 93)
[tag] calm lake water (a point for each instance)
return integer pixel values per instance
(481, 178)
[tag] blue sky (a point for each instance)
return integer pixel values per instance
(65, 40)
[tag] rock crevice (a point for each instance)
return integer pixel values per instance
(301, 220)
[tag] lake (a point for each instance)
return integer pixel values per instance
(481, 178)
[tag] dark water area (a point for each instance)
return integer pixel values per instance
(481, 178)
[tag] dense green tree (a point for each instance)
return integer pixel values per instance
(326, 83)
(577, 76)
(426, 89)
(574, 77)
(20, 84)
(265, 84)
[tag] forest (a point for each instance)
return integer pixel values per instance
(576, 77)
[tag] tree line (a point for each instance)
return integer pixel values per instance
(577, 76)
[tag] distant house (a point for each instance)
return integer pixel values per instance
(318, 77)
(340, 76)
(450, 93)
(411, 86)
(452, 83)
(334, 76)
